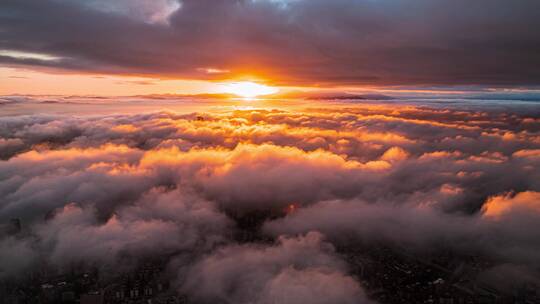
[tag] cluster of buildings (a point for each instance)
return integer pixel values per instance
(392, 276)
(146, 284)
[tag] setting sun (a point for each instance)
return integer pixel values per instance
(249, 89)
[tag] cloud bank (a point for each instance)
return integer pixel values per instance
(114, 189)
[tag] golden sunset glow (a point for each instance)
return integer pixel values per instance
(248, 89)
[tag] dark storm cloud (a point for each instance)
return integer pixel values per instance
(292, 41)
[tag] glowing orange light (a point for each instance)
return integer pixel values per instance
(249, 89)
(291, 208)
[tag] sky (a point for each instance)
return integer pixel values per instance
(194, 46)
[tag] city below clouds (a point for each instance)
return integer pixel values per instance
(263, 205)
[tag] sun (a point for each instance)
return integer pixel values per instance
(248, 89)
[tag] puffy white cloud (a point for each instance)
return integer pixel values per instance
(110, 189)
(302, 269)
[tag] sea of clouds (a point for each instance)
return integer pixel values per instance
(112, 189)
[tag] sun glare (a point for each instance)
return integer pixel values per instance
(249, 89)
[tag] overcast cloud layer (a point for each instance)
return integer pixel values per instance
(485, 42)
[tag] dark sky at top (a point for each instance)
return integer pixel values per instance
(296, 42)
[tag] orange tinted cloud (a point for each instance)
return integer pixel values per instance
(500, 205)
(157, 182)
(395, 154)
